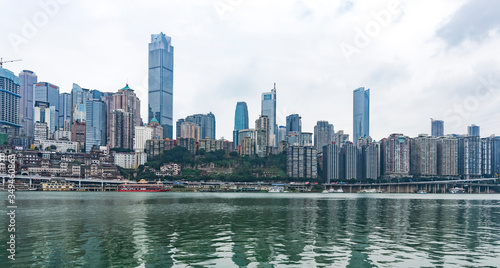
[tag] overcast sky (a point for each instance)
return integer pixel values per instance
(421, 59)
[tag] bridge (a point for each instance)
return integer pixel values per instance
(476, 185)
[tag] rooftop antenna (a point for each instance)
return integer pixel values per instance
(2, 61)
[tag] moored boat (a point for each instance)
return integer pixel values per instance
(142, 186)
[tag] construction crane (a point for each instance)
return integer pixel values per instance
(2, 62)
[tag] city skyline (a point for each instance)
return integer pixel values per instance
(409, 86)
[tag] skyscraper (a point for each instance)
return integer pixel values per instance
(9, 102)
(48, 92)
(95, 131)
(437, 128)
(125, 115)
(161, 82)
(65, 112)
(473, 131)
(206, 122)
(240, 121)
(293, 129)
(79, 97)
(395, 156)
(28, 79)
(361, 114)
(263, 124)
(268, 109)
(322, 134)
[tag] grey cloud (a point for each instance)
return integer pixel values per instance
(472, 21)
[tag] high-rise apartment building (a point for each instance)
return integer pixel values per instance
(268, 108)
(240, 121)
(395, 154)
(361, 114)
(331, 162)
(322, 134)
(486, 156)
(125, 115)
(349, 155)
(28, 79)
(423, 156)
(301, 162)
(161, 82)
(437, 128)
(263, 123)
(190, 130)
(469, 156)
(447, 155)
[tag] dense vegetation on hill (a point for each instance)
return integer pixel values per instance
(221, 166)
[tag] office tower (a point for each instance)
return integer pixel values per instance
(437, 128)
(263, 123)
(331, 162)
(395, 154)
(322, 134)
(178, 127)
(281, 134)
(107, 98)
(206, 122)
(423, 156)
(190, 130)
(64, 121)
(306, 139)
(95, 129)
(293, 123)
(370, 161)
(48, 92)
(125, 115)
(361, 114)
(349, 162)
(495, 155)
(254, 138)
(79, 97)
(473, 130)
(469, 156)
(486, 156)
(340, 138)
(28, 79)
(268, 108)
(41, 116)
(240, 121)
(447, 155)
(161, 82)
(301, 162)
(96, 94)
(9, 103)
(142, 134)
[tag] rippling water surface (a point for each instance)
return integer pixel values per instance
(253, 230)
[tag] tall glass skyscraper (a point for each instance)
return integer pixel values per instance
(95, 130)
(9, 102)
(206, 122)
(64, 112)
(361, 114)
(437, 128)
(269, 109)
(161, 82)
(473, 131)
(28, 79)
(48, 92)
(240, 121)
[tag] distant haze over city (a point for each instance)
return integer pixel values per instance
(420, 59)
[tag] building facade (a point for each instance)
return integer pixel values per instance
(437, 128)
(361, 114)
(268, 108)
(161, 82)
(28, 79)
(9, 103)
(322, 134)
(240, 121)
(95, 129)
(301, 162)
